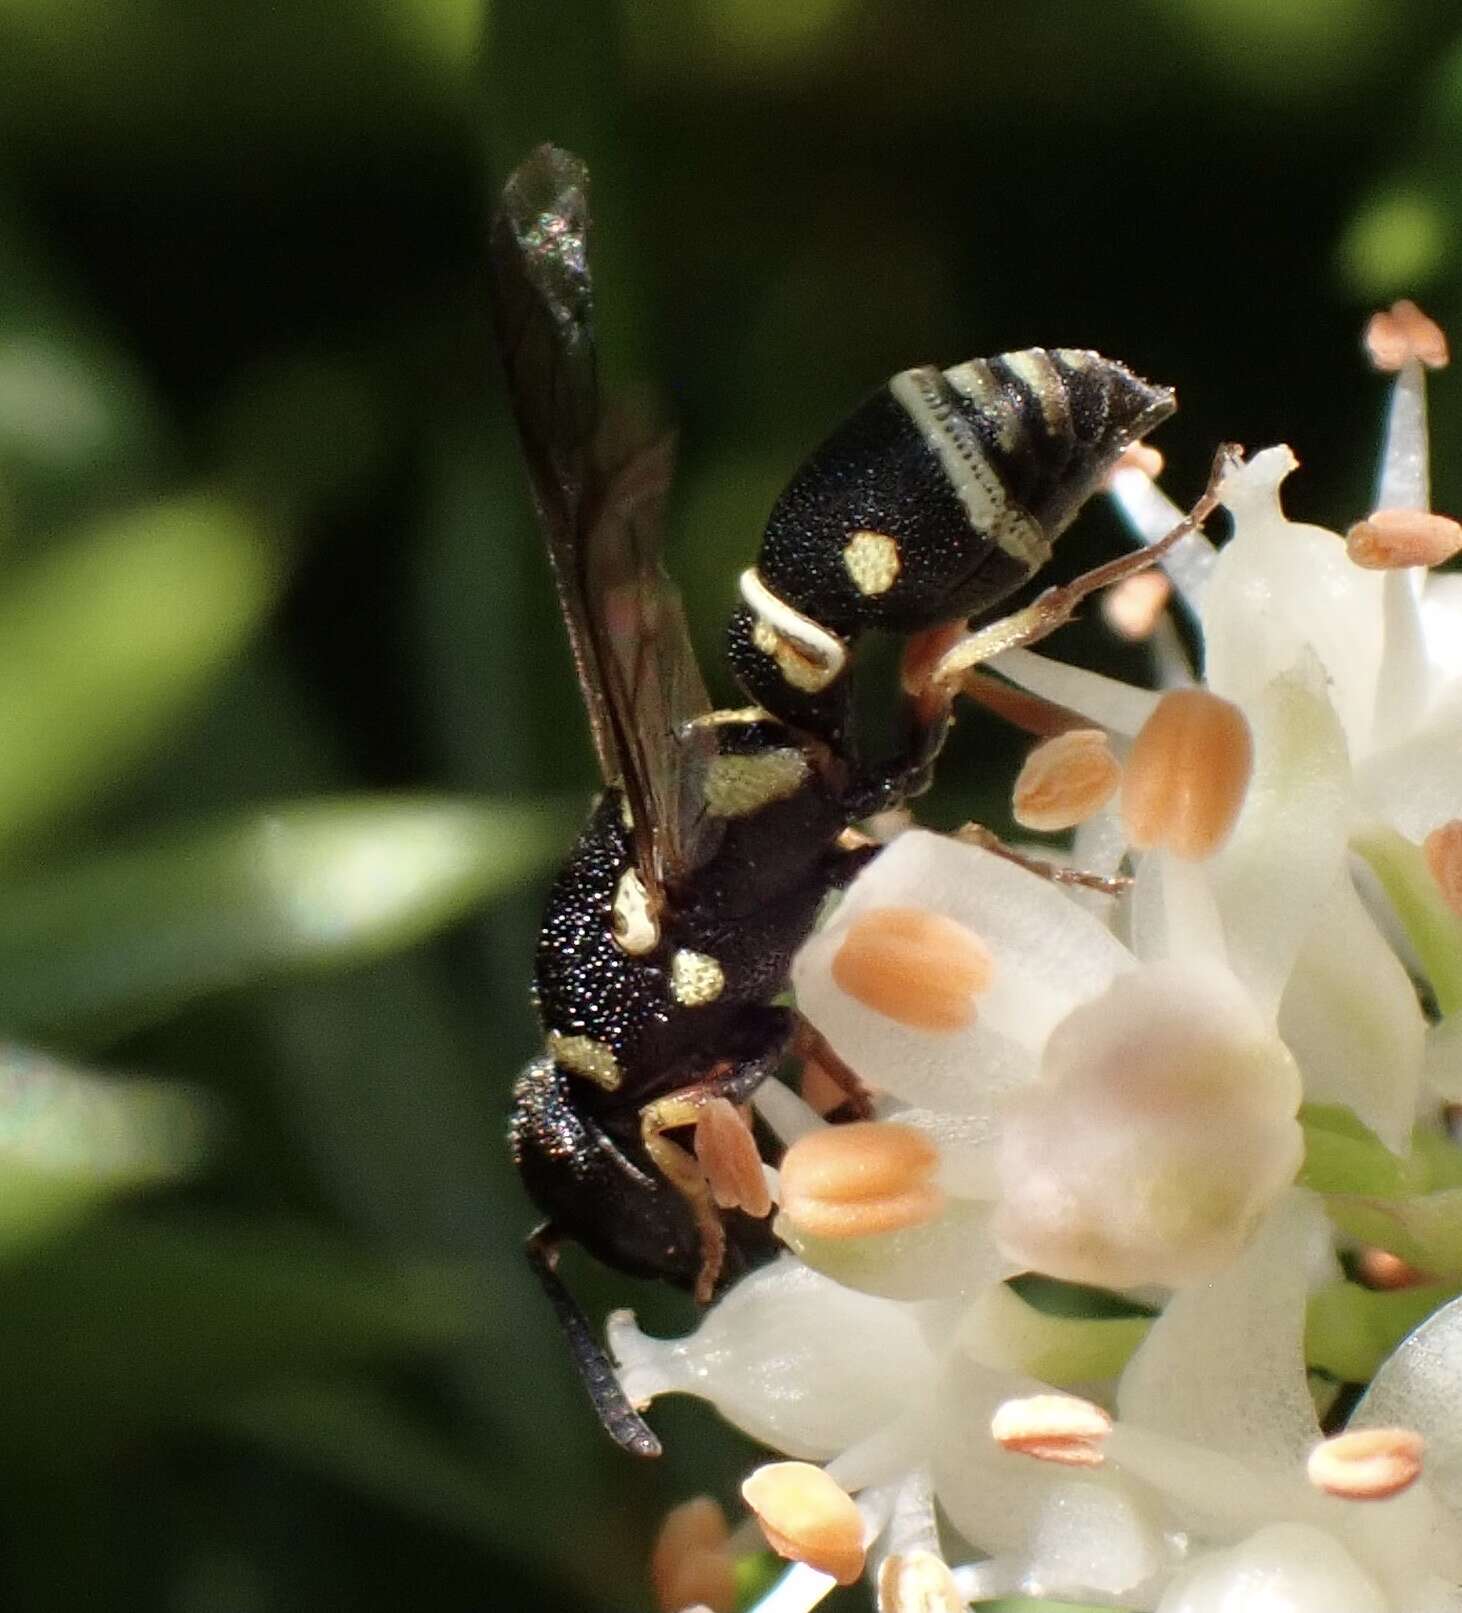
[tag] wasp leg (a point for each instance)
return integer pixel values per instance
(1056, 606)
(621, 1421)
(976, 834)
(678, 1165)
(812, 1046)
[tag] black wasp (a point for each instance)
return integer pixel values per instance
(671, 928)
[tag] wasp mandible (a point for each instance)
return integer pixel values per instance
(670, 930)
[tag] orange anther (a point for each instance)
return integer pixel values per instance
(807, 1517)
(1391, 539)
(1135, 606)
(1187, 774)
(917, 1582)
(1140, 456)
(1066, 780)
(1403, 332)
(1371, 1464)
(1053, 1428)
(915, 966)
(727, 1154)
(859, 1179)
(691, 1563)
(1442, 849)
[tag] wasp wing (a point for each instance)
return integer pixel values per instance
(599, 480)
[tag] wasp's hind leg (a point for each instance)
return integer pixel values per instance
(621, 1421)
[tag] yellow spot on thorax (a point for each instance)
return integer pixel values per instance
(582, 1055)
(737, 786)
(695, 978)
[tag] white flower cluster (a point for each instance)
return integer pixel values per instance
(1117, 1090)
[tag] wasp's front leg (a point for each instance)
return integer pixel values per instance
(722, 1170)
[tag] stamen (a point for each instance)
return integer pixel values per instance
(917, 1582)
(1403, 332)
(807, 1517)
(819, 1090)
(1066, 780)
(1053, 1428)
(726, 1153)
(690, 1563)
(1370, 1464)
(1140, 456)
(860, 1179)
(1392, 539)
(1379, 1268)
(1134, 608)
(1442, 849)
(914, 966)
(1187, 774)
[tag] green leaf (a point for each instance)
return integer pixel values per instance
(1350, 1330)
(354, 1433)
(130, 1324)
(103, 642)
(1342, 1155)
(104, 945)
(71, 1142)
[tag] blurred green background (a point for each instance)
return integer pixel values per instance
(288, 735)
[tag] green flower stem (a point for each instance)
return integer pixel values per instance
(1433, 929)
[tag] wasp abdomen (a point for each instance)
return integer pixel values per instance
(943, 492)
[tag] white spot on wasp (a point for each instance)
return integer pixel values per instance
(582, 1055)
(872, 559)
(974, 479)
(1034, 369)
(635, 928)
(737, 786)
(976, 380)
(695, 978)
(807, 655)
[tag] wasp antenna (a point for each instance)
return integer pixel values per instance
(621, 1421)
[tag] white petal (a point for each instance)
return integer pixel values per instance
(954, 1255)
(1160, 1130)
(1279, 586)
(1419, 1386)
(1152, 515)
(1108, 703)
(1417, 785)
(1048, 954)
(1224, 1365)
(1288, 848)
(1061, 1533)
(1351, 1018)
(791, 1358)
(1286, 1568)
(1441, 622)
